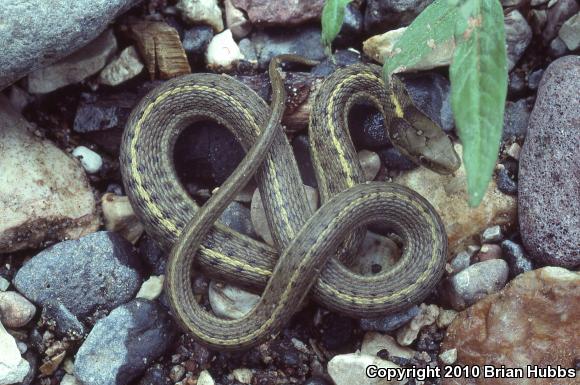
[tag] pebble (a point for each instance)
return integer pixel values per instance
(98, 271)
(461, 261)
(13, 368)
(376, 254)
(236, 20)
(505, 182)
(570, 32)
(518, 35)
(516, 86)
(52, 31)
(394, 160)
(75, 68)
(316, 381)
(557, 48)
(446, 316)
(124, 67)
(176, 373)
(515, 123)
(548, 189)
(408, 333)
(340, 58)
(120, 217)
(201, 11)
(488, 252)
(151, 288)
(205, 378)
(137, 332)
(90, 160)
(280, 13)
(516, 258)
(152, 254)
(532, 321)
(558, 12)
(69, 379)
(15, 310)
(534, 79)
(447, 193)
(348, 369)
(390, 322)
(4, 284)
(367, 128)
(514, 151)
(374, 342)
(238, 217)
(230, 302)
(370, 163)
(195, 41)
(381, 15)
(538, 19)
(19, 98)
(477, 281)
(50, 198)
(223, 52)
(492, 234)
(448, 357)
(65, 323)
(243, 375)
(155, 375)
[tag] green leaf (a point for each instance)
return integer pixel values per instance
(433, 29)
(332, 18)
(478, 77)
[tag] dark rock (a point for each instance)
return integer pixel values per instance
(352, 26)
(155, 376)
(395, 161)
(461, 262)
(120, 346)
(516, 258)
(557, 48)
(367, 128)
(237, 217)
(63, 321)
(517, 83)
(316, 381)
(115, 188)
(337, 331)
(515, 122)
(152, 254)
(548, 204)
(505, 183)
(518, 35)
(195, 41)
(97, 271)
(383, 15)
(558, 13)
(390, 322)
(341, 58)
(301, 148)
(534, 79)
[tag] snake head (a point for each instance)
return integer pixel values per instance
(417, 136)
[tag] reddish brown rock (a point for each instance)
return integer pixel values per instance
(266, 12)
(532, 321)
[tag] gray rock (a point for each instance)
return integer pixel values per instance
(518, 35)
(41, 33)
(126, 66)
(390, 322)
(4, 284)
(75, 68)
(516, 258)
(515, 122)
(195, 41)
(505, 183)
(64, 322)
(237, 216)
(534, 79)
(340, 58)
(122, 345)
(492, 234)
(98, 271)
(461, 261)
(570, 32)
(13, 368)
(561, 11)
(15, 310)
(383, 15)
(557, 48)
(549, 183)
(517, 83)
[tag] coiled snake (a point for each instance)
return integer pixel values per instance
(309, 247)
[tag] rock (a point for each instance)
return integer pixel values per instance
(352, 26)
(570, 32)
(557, 48)
(449, 197)
(395, 161)
(44, 194)
(124, 67)
(50, 366)
(446, 316)
(15, 310)
(90, 160)
(4, 284)
(195, 41)
(152, 254)
(223, 52)
(104, 112)
(205, 378)
(176, 373)
(381, 15)
(376, 253)
(448, 357)
(518, 36)
(407, 334)
(69, 380)
(120, 217)
(316, 381)
(19, 98)
(515, 123)
(280, 13)
(461, 262)
(534, 79)
(238, 217)
(236, 20)
(516, 258)
(121, 346)
(374, 342)
(549, 211)
(13, 368)
(477, 281)
(390, 322)
(75, 68)
(367, 128)
(243, 375)
(155, 375)
(348, 369)
(516, 86)
(488, 252)
(514, 151)
(340, 58)
(151, 288)
(532, 321)
(230, 302)
(65, 323)
(558, 13)
(98, 271)
(51, 32)
(305, 41)
(492, 234)
(201, 11)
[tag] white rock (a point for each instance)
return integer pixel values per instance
(4, 284)
(68, 366)
(243, 375)
(75, 68)
(90, 160)
(349, 369)
(69, 380)
(44, 194)
(492, 234)
(13, 368)
(514, 151)
(376, 250)
(236, 21)
(407, 334)
(126, 66)
(449, 356)
(446, 316)
(120, 217)
(228, 301)
(223, 52)
(570, 32)
(201, 11)
(205, 378)
(152, 288)
(374, 342)
(370, 163)
(15, 310)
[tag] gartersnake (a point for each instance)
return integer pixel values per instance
(304, 241)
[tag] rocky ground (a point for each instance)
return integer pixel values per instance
(81, 298)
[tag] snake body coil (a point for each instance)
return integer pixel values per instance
(309, 247)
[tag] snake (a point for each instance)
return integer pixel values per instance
(312, 249)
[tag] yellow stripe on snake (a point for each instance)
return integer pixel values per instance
(310, 248)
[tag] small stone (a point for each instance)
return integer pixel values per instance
(15, 310)
(515, 124)
(151, 288)
(176, 373)
(558, 12)
(557, 48)
(492, 234)
(348, 369)
(407, 334)
(477, 281)
(488, 252)
(13, 368)
(367, 127)
(155, 375)
(223, 52)
(381, 15)
(538, 19)
(152, 254)
(195, 41)
(205, 378)
(514, 151)
(505, 182)
(516, 258)
(65, 323)
(518, 35)
(238, 217)
(570, 32)
(201, 11)
(75, 68)
(446, 316)
(120, 217)
(230, 302)
(374, 342)
(68, 366)
(4, 284)
(236, 21)
(280, 13)
(370, 163)
(243, 375)
(376, 253)
(448, 357)
(126, 66)
(390, 322)
(69, 379)
(534, 79)
(516, 86)
(316, 381)
(90, 160)
(461, 261)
